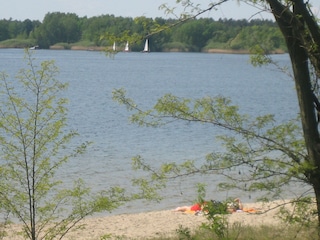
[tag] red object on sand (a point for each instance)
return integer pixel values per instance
(196, 207)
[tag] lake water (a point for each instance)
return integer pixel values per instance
(146, 77)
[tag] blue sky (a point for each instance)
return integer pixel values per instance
(36, 9)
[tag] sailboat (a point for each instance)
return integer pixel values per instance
(146, 46)
(114, 48)
(126, 48)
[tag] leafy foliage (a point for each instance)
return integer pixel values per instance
(34, 145)
(58, 27)
(259, 155)
(303, 214)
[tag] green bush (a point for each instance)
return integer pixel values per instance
(176, 46)
(17, 43)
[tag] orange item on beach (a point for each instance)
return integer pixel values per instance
(250, 210)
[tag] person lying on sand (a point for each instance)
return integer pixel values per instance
(235, 206)
(195, 207)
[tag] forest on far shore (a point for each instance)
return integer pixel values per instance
(67, 30)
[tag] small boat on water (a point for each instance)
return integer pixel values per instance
(126, 48)
(34, 47)
(114, 47)
(146, 46)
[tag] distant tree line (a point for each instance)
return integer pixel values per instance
(195, 35)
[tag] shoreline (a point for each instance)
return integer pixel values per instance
(163, 223)
(96, 48)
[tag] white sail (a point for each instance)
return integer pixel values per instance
(126, 48)
(114, 48)
(146, 46)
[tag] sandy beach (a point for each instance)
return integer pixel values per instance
(150, 224)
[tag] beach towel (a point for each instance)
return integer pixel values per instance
(251, 210)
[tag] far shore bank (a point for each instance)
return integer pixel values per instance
(99, 48)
